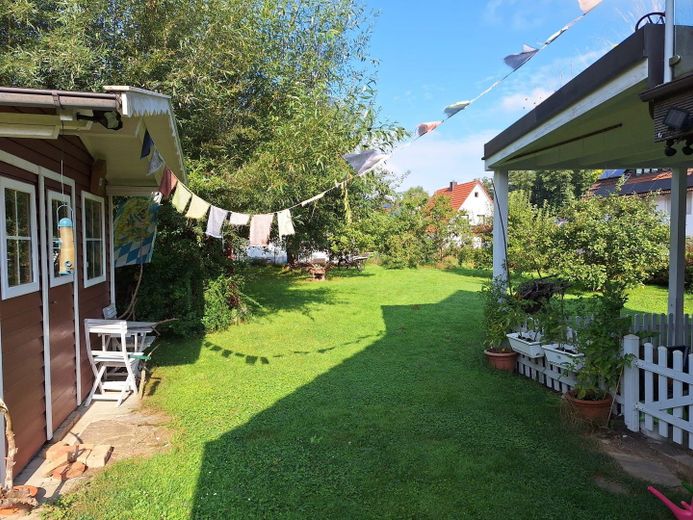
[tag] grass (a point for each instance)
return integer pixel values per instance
(362, 397)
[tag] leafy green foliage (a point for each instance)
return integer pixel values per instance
(618, 240)
(500, 315)
(600, 340)
(224, 303)
(531, 231)
(553, 188)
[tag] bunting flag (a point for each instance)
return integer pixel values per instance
(363, 162)
(215, 222)
(168, 182)
(198, 208)
(453, 109)
(424, 128)
(134, 231)
(155, 163)
(587, 5)
(239, 219)
(515, 61)
(313, 199)
(260, 228)
(147, 143)
(181, 197)
(285, 224)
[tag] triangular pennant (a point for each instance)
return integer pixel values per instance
(451, 110)
(363, 162)
(515, 61)
(147, 143)
(424, 128)
(155, 163)
(587, 5)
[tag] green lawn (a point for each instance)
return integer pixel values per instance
(362, 397)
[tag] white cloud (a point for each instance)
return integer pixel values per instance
(434, 161)
(521, 101)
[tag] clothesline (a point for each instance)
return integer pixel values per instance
(361, 162)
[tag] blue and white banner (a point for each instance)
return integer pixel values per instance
(134, 231)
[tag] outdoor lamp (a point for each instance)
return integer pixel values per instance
(677, 119)
(670, 151)
(687, 150)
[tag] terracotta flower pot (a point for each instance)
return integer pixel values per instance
(19, 491)
(594, 411)
(502, 360)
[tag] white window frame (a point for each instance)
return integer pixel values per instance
(27, 288)
(65, 199)
(88, 282)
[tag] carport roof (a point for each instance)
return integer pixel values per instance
(597, 120)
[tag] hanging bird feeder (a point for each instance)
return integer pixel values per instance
(66, 242)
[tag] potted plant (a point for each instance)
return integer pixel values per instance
(13, 499)
(560, 348)
(527, 339)
(600, 341)
(499, 314)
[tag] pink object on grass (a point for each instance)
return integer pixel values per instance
(682, 514)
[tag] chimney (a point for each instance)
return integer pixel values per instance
(452, 185)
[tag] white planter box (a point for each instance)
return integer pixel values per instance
(531, 349)
(562, 358)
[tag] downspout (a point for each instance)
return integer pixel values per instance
(669, 23)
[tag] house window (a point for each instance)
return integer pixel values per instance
(94, 242)
(19, 244)
(58, 204)
(689, 202)
(476, 193)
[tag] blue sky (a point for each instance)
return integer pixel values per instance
(436, 52)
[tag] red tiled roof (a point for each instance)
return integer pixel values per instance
(458, 194)
(641, 183)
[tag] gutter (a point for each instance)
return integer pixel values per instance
(58, 99)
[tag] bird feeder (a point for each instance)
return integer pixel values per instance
(66, 244)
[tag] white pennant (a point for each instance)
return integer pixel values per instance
(587, 5)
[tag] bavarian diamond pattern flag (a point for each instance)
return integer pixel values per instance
(135, 231)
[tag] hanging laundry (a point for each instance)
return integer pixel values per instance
(515, 61)
(587, 5)
(365, 161)
(168, 182)
(198, 208)
(313, 199)
(260, 227)
(155, 163)
(215, 222)
(147, 143)
(239, 219)
(181, 197)
(286, 225)
(424, 128)
(451, 110)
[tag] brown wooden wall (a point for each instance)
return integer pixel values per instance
(21, 317)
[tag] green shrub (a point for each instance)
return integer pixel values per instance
(224, 303)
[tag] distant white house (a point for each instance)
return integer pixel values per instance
(645, 181)
(470, 197)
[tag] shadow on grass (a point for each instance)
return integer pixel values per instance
(413, 426)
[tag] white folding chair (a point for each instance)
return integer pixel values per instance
(145, 330)
(109, 385)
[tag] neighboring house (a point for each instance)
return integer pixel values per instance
(643, 182)
(470, 197)
(76, 149)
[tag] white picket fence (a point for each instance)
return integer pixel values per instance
(656, 391)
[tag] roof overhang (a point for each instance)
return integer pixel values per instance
(597, 120)
(47, 114)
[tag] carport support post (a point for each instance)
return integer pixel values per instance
(500, 224)
(677, 249)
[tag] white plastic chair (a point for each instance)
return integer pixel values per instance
(110, 386)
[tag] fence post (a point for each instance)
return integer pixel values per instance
(631, 384)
